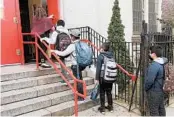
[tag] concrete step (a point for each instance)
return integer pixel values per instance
(36, 91)
(26, 71)
(63, 109)
(26, 74)
(38, 103)
(31, 82)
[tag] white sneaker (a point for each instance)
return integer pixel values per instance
(44, 65)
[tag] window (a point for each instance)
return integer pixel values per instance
(153, 10)
(137, 16)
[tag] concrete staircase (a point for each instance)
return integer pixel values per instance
(39, 93)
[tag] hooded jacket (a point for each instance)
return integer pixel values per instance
(154, 79)
(100, 61)
(69, 50)
(53, 37)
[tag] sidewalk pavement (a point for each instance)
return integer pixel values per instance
(118, 111)
(170, 110)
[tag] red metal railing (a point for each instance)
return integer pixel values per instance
(133, 77)
(74, 89)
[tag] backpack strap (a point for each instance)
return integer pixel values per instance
(57, 40)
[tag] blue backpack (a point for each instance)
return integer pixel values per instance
(83, 54)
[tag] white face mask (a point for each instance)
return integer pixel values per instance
(152, 56)
(101, 50)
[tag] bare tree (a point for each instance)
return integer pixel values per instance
(168, 11)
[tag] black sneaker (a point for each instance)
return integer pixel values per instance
(80, 99)
(110, 108)
(44, 65)
(102, 110)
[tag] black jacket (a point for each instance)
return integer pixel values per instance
(100, 61)
(154, 79)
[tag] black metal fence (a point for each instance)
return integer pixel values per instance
(127, 54)
(133, 56)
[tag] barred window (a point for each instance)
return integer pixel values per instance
(153, 9)
(137, 16)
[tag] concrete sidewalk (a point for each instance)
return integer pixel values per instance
(118, 111)
(170, 110)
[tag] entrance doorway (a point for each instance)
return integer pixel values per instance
(26, 14)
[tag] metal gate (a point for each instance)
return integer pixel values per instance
(133, 56)
(166, 41)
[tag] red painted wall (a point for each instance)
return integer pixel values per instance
(53, 8)
(11, 37)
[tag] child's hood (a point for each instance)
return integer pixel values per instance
(162, 60)
(62, 29)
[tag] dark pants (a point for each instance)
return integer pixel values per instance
(79, 85)
(63, 71)
(42, 58)
(156, 103)
(106, 88)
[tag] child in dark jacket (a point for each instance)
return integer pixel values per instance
(105, 88)
(154, 82)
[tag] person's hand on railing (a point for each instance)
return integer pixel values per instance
(52, 51)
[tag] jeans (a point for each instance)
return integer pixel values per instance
(156, 103)
(42, 58)
(106, 88)
(79, 85)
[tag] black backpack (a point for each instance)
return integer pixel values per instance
(62, 42)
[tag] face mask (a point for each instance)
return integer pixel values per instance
(150, 57)
(101, 50)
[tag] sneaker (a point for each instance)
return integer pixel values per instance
(102, 110)
(110, 108)
(62, 81)
(80, 99)
(44, 65)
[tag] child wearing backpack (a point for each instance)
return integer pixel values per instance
(61, 39)
(106, 72)
(81, 56)
(155, 81)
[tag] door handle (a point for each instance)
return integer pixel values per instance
(15, 20)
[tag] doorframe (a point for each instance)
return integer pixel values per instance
(19, 28)
(19, 32)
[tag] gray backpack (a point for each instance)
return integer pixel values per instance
(109, 70)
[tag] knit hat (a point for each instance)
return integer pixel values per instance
(75, 32)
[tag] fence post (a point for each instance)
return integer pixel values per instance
(144, 52)
(89, 33)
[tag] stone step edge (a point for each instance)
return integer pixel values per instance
(34, 82)
(24, 74)
(35, 89)
(66, 108)
(34, 101)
